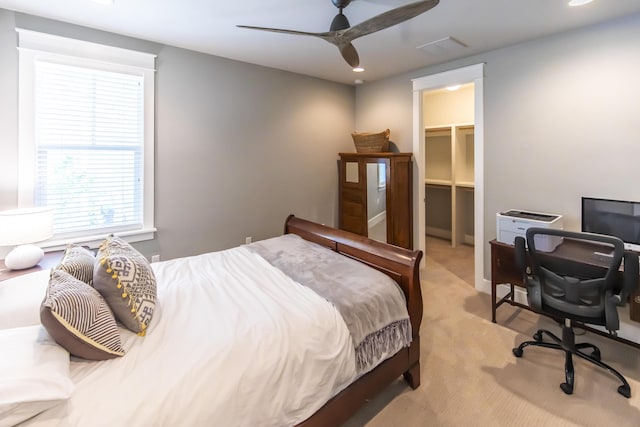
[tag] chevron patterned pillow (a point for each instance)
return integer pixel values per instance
(78, 318)
(124, 277)
(78, 262)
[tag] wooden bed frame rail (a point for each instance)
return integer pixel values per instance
(402, 265)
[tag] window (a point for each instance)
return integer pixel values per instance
(86, 136)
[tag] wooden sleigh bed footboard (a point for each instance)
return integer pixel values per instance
(400, 264)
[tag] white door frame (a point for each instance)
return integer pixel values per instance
(471, 74)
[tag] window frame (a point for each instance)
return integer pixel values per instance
(33, 46)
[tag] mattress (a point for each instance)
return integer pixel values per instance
(234, 341)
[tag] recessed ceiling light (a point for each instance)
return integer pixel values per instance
(358, 70)
(579, 2)
(453, 87)
(359, 81)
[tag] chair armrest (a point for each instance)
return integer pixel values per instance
(612, 301)
(521, 253)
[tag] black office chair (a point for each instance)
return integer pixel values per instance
(585, 291)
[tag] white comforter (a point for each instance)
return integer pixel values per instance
(220, 351)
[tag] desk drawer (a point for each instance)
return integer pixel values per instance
(503, 265)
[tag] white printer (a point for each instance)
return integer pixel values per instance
(514, 223)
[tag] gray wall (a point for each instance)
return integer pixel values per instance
(238, 146)
(562, 120)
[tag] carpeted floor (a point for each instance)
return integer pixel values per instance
(470, 377)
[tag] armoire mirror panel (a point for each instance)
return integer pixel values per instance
(375, 196)
(377, 199)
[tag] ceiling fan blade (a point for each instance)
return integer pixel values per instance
(279, 30)
(350, 55)
(389, 19)
(347, 50)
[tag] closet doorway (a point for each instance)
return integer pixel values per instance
(449, 178)
(448, 148)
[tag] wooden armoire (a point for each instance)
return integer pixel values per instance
(393, 175)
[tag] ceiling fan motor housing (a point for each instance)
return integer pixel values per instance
(340, 22)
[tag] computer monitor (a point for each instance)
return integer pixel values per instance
(620, 218)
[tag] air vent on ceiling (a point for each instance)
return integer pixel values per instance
(442, 46)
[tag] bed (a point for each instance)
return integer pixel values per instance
(219, 352)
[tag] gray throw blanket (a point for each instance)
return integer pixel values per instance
(371, 303)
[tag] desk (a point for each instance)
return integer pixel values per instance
(505, 271)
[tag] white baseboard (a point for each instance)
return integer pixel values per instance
(438, 232)
(446, 234)
(377, 219)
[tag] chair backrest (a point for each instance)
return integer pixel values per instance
(580, 277)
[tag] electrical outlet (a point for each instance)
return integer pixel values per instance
(155, 258)
(247, 240)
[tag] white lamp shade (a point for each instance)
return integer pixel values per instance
(19, 226)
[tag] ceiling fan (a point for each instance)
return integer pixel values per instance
(341, 33)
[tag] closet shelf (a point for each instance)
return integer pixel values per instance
(430, 181)
(465, 184)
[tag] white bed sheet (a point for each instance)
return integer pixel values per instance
(219, 351)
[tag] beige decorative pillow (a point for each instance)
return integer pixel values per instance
(125, 279)
(79, 319)
(78, 262)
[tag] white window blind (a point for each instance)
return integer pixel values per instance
(86, 137)
(89, 147)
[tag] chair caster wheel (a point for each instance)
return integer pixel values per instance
(625, 390)
(568, 389)
(537, 336)
(596, 354)
(517, 352)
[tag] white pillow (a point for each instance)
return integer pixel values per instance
(20, 299)
(34, 374)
